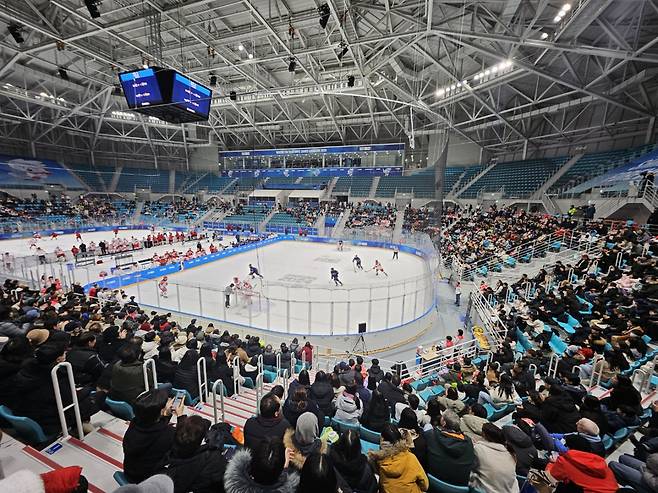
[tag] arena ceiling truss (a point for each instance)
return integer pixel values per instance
(507, 75)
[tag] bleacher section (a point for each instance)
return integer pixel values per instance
(249, 216)
(88, 175)
(282, 221)
(518, 179)
(357, 186)
(596, 164)
(211, 183)
(133, 178)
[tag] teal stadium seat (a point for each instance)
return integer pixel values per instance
(28, 429)
(120, 409)
(438, 486)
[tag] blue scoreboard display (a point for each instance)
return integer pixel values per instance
(191, 96)
(166, 94)
(141, 88)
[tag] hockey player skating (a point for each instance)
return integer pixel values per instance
(340, 245)
(334, 277)
(253, 271)
(378, 268)
(357, 262)
(162, 286)
(396, 251)
(247, 292)
(78, 236)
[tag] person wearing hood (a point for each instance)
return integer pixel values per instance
(558, 412)
(149, 436)
(192, 466)
(352, 465)
(375, 375)
(349, 407)
(261, 470)
(471, 423)
(398, 469)
(524, 450)
(303, 440)
(269, 423)
(642, 476)
(323, 393)
(450, 453)
(494, 468)
(579, 468)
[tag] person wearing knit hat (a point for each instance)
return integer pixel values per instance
(160, 483)
(37, 336)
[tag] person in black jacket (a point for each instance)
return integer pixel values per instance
(375, 374)
(110, 343)
(87, 365)
(164, 366)
(194, 467)
(323, 393)
(269, 357)
(524, 450)
(12, 357)
(269, 423)
(558, 413)
(377, 413)
(591, 409)
(390, 389)
(299, 403)
(149, 437)
(352, 465)
(186, 373)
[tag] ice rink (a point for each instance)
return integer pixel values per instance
(297, 294)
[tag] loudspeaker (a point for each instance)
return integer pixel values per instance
(362, 328)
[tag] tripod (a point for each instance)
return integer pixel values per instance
(360, 344)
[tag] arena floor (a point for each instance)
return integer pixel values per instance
(297, 294)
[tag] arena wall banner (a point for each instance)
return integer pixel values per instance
(313, 172)
(158, 272)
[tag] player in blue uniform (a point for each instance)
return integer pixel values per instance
(253, 271)
(357, 262)
(334, 277)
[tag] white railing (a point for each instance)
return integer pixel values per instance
(491, 322)
(61, 408)
(202, 379)
(237, 378)
(149, 363)
(220, 384)
(259, 391)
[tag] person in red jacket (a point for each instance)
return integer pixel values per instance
(579, 467)
(307, 351)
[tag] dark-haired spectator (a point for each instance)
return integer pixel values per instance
(127, 375)
(390, 389)
(450, 453)
(558, 412)
(524, 450)
(192, 466)
(261, 469)
(377, 413)
(375, 374)
(494, 468)
(269, 423)
(451, 401)
(351, 464)
(164, 366)
(413, 434)
(472, 422)
(398, 469)
(319, 476)
(87, 365)
(322, 393)
(149, 436)
(185, 377)
(299, 403)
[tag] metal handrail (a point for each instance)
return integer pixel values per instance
(284, 382)
(61, 409)
(552, 365)
(236, 375)
(202, 379)
(259, 391)
(145, 367)
(221, 399)
(278, 366)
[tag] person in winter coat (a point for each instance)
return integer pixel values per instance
(591, 409)
(194, 467)
(261, 470)
(186, 373)
(110, 343)
(377, 413)
(450, 453)
(451, 401)
(269, 357)
(323, 393)
(580, 469)
(149, 436)
(223, 372)
(16, 352)
(286, 356)
(306, 354)
(127, 375)
(398, 469)
(164, 366)
(375, 374)
(87, 365)
(390, 388)
(269, 423)
(349, 407)
(494, 469)
(524, 450)
(303, 440)
(641, 476)
(411, 432)
(558, 412)
(472, 422)
(298, 404)
(352, 465)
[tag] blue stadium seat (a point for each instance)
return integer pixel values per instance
(189, 401)
(120, 409)
(28, 429)
(438, 486)
(120, 478)
(369, 435)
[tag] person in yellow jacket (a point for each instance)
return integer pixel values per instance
(398, 468)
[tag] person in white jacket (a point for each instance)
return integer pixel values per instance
(348, 406)
(494, 470)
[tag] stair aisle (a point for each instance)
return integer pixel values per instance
(14, 458)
